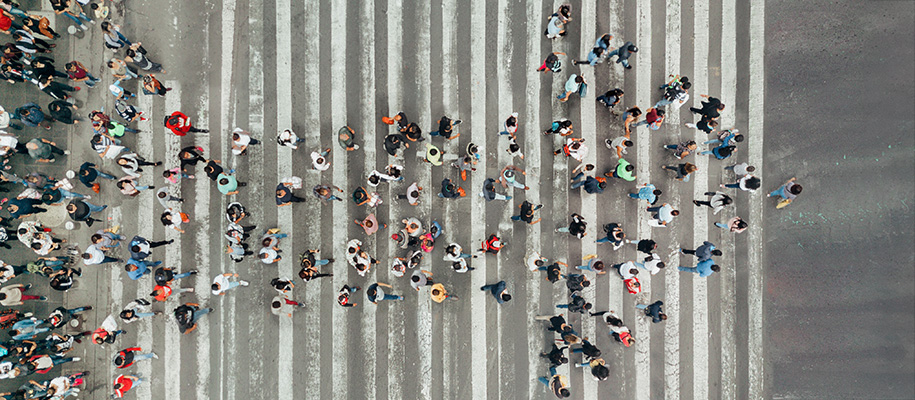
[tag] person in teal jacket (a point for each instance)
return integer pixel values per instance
(704, 268)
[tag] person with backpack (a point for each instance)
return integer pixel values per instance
(498, 291)
(527, 213)
(129, 356)
(551, 63)
(577, 227)
(575, 84)
(623, 53)
(187, 316)
(654, 311)
(180, 124)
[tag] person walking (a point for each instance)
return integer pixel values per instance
(787, 192)
(136, 55)
(575, 84)
(611, 98)
(123, 383)
(682, 149)
(450, 190)
(343, 296)
(375, 293)
(187, 316)
(558, 384)
(14, 295)
(654, 311)
(551, 63)
(624, 170)
(647, 192)
(289, 139)
(664, 214)
(43, 150)
(703, 268)
(556, 355)
(747, 183)
(180, 124)
(703, 252)
(592, 185)
(241, 139)
(736, 225)
(498, 291)
(717, 201)
(683, 170)
(284, 196)
(577, 227)
(129, 356)
(623, 54)
(741, 169)
(223, 283)
(653, 119)
(615, 235)
(489, 191)
(446, 128)
(527, 213)
(710, 108)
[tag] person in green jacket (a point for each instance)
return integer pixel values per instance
(227, 184)
(624, 170)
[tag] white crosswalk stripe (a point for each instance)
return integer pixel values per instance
(402, 348)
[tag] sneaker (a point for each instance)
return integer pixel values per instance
(66, 152)
(243, 283)
(194, 272)
(76, 358)
(399, 297)
(88, 308)
(27, 286)
(83, 27)
(696, 202)
(155, 356)
(190, 290)
(43, 298)
(330, 260)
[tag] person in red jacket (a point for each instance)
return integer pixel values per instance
(123, 384)
(180, 124)
(492, 245)
(127, 357)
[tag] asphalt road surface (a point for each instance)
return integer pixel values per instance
(792, 314)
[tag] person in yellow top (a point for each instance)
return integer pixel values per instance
(599, 370)
(558, 384)
(439, 294)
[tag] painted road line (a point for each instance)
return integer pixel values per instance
(202, 256)
(755, 131)
(424, 118)
(173, 256)
(506, 377)
(727, 301)
(254, 366)
(367, 72)
(700, 219)
(449, 102)
(145, 229)
(395, 367)
(341, 220)
(283, 170)
(588, 201)
(478, 301)
(528, 127)
(671, 274)
(643, 143)
(116, 288)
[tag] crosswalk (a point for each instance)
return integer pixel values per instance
(315, 66)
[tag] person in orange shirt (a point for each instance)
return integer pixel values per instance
(161, 292)
(123, 384)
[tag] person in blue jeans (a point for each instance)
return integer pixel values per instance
(704, 268)
(75, 16)
(647, 192)
(375, 293)
(558, 384)
(498, 291)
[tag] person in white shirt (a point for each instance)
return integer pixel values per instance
(652, 264)
(241, 139)
(619, 144)
(376, 177)
(283, 305)
(741, 169)
(222, 284)
(95, 256)
(627, 270)
(289, 139)
(319, 159)
(665, 213)
(421, 278)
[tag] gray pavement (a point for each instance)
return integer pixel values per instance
(268, 65)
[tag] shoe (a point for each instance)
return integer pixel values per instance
(243, 283)
(330, 260)
(76, 358)
(83, 27)
(400, 297)
(28, 286)
(88, 308)
(696, 202)
(194, 272)
(152, 187)
(43, 298)
(66, 152)
(170, 241)
(155, 356)
(191, 290)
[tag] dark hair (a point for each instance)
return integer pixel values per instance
(106, 25)
(214, 286)
(164, 219)
(675, 212)
(660, 113)
(37, 245)
(633, 49)
(712, 123)
(586, 283)
(715, 268)
(414, 278)
(657, 192)
(2, 296)
(627, 143)
(796, 189)
(738, 138)
(564, 392)
(506, 297)
(661, 265)
(85, 256)
(587, 306)
(742, 224)
(224, 181)
(602, 184)
(751, 168)
(598, 265)
(629, 167)
(686, 85)
(663, 316)
(716, 252)
(579, 79)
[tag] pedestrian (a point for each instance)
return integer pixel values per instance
(43, 150)
(703, 268)
(130, 163)
(624, 170)
(710, 108)
(646, 192)
(310, 263)
(180, 124)
(81, 211)
(551, 63)
(123, 383)
(556, 355)
(594, 265)
(556, 25)
(289, 139)
(577, 227)
(741, 169)
(576, 283)
(615, 235)
(128, 357)
(558, 384)
(133, 311)
(190, 156)
(412, 195)
(73, 10)
(653, 119)
(136, 54)
(446, 128)
(717, 201)
(527, 213)
(284, 196)
(594, 57)
(747, 183)
(393, 141)
(611, 98)
(736, 225)
(78, 72)
(683, 170)
(577, 304)
(623, 53)
(114, 39)
(703, 252)
(56, 90)
(561, 126)
(187, 316)
(31, 115)
(433, 155)
(241, 139)
(664, 214)
(152, 86)
(620, 144)
(721, 152)
(120, 70)
(62, 111)
(14, 295)
(654, 311)
(362, 197)
(489, 191)
(553, 271)
(646, 246)
(498, 291)
(592, 185)
(128, 186)
(574, 148)
(375, 293)
(508, 176)
(787, 192)
(450, 190)
(119, 92)
(173, 219)
(493, 244)
(511, 125)
(705, 124)
(675, 92)
(682, 149)
(575, 84)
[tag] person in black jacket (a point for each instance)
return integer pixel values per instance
(556, 355)
(654, 311)
(623, 52)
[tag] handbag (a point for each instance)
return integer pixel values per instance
(583, 90)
